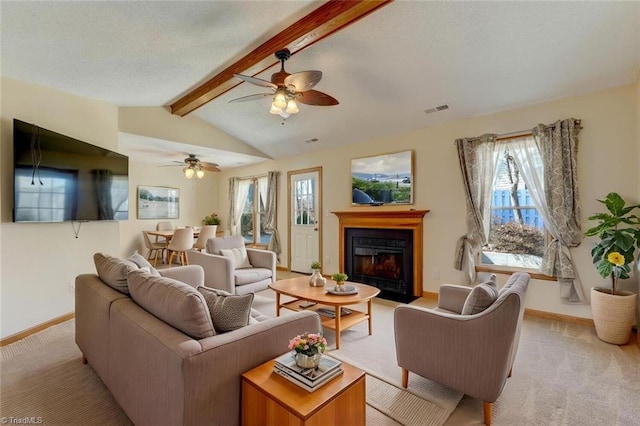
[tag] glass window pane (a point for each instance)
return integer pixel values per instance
(246, 221)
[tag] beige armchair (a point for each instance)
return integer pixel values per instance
(226, 269)
(472, 354)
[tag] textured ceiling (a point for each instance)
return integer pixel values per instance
(386, 69)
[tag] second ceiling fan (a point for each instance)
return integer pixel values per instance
(288, 89)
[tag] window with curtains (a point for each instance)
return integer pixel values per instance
(517, 235)
(252, 226)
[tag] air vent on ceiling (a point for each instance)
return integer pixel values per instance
(436, 109)
(312, 140)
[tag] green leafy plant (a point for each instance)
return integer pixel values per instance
(339, 277)
(619, 234)
(212, 219)
(315, 265)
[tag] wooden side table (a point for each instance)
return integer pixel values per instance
(271, 400)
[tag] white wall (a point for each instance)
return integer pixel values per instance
(39, 262)
(608, 161)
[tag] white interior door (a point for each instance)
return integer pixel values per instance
(306, 213)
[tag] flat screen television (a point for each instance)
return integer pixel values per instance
(58, 178)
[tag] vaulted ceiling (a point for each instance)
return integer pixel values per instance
(386, 69)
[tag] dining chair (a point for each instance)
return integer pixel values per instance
(163, 226)
(206, 232)
(154, 248)
(181, 242)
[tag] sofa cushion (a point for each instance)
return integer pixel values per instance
(228, 311)
(113, 271)
(239, 257)
(174, 302)
(139, 260)
(251, 275)
(480, 298)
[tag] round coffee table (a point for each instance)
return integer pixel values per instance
(299, 289)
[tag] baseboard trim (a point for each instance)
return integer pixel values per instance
(430, 295)
(559, 317)
(28, 332)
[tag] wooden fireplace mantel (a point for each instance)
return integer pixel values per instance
(386, 219)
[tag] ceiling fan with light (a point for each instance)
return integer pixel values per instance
(288, 89)
(195, 167)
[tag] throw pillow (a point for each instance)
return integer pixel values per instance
(239, 257)
(139, 260)
(113, 271)
(228, 311)
(480, 298)
(174, 302)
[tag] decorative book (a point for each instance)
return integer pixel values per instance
(331, 313)
(286, 366)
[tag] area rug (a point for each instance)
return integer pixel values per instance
(376, 355)
(44, 382)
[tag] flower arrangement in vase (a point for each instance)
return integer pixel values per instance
(308, 348)
(316, 279)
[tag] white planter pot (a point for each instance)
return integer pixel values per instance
(613, 316)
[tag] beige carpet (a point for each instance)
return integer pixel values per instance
(563, 374)
(44, 382)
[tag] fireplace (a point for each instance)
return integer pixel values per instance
(383, 248)
(382, 258)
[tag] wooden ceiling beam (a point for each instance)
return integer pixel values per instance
(322, 22)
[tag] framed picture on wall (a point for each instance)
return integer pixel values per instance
(158, 202)
(382, 179)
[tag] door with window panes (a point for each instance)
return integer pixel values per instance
(305, 220)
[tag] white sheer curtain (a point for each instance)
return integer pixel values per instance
(557, 259)
(238, 191)
(478, 162)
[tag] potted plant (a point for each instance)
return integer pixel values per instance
(618, 231)
(212, 219)
(339, 278)
(308, 348)
(316, 279)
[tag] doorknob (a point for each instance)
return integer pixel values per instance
(315, 229)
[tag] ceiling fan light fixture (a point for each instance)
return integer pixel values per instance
(285, 114)
(280, 99)
(292, 107)
(189, 172)
(275, 110)
(200, 173)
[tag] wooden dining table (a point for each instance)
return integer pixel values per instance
(168, 235)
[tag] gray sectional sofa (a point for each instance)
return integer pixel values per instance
(156, 369)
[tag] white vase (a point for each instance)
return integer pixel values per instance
(308, 361)
(613, 315)
(316, 279)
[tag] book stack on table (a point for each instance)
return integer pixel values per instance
(307, 378)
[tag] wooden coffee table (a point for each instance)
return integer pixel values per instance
(299, 289)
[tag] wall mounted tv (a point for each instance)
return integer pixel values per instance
(57, 178)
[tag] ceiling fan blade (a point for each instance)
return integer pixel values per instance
(209, 167)
(256, 81)
(304, 80)
(314, 97)
(251, 97)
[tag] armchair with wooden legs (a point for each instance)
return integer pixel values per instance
(472, 354)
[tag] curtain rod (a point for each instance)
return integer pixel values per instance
(520, 133)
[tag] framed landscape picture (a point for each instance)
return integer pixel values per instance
(158, 202)
(382, 179)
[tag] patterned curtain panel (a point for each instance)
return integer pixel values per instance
(478, 161)
(270, 213)
(558, 144)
